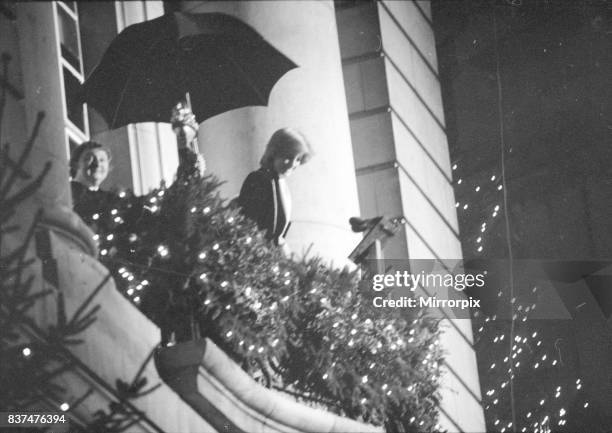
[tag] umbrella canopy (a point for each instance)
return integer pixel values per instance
(222, 62)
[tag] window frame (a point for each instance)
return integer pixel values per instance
(72, 131)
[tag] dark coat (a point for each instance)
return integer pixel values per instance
(87, 202)
(261, 201)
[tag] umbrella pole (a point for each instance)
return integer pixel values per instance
(187, 119)
(194, 143)
(188, 100)
(182, 114)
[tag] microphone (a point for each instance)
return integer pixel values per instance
(359, 225)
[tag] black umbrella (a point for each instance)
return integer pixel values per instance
(220, 61)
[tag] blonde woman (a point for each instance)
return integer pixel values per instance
(265, 196)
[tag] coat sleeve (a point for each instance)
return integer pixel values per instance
(253, 199)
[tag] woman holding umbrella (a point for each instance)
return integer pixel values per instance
(264, 196)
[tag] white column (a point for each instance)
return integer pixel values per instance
(41, 77)
(151, 147)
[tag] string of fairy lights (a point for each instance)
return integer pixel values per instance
(490, 184)
(381, 338)
(526, 348)
(527, 351)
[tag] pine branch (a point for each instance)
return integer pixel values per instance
(14, 174)
(27, 371)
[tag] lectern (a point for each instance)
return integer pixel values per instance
(368, 253)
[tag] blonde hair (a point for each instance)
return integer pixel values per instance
(286, 142)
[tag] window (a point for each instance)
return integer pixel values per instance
(73, 142)
(69, 38)
(71, 64)
(70, 5)
(75, 110)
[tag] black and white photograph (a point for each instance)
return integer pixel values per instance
(314, 216)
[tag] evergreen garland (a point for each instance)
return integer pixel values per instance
(196, 266)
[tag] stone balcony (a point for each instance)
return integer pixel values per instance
(202, 389)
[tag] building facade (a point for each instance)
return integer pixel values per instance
(366, 94)
(551, 83)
